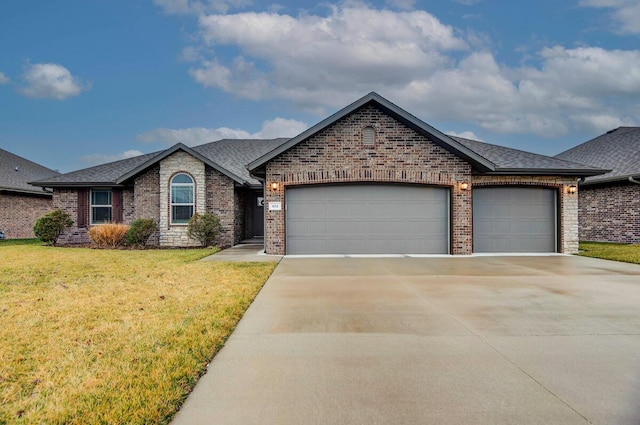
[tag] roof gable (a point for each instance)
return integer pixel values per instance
(617, 150)
(16, 173)
(399, 114)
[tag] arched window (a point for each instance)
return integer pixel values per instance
(181, 199)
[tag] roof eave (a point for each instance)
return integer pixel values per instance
(42, 192)
(611, 179)
(547, 172)
(77, 184)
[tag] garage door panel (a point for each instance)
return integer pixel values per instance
(368, 219)
(514, 219)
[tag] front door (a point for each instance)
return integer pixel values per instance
(257, 219)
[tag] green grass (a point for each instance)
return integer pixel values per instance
(112, 336)
(611, 251)
(11, 242)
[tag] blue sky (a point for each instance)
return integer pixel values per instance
(85, 82)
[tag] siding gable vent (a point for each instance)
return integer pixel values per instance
(369, 136)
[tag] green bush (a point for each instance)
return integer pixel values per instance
(49, 227)
(140, 231)
(204, 228)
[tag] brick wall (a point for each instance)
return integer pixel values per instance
(221, 200)
(67, 200)
(610, 213)
(147, 198)
(568, 204)
(19, 212)
(337, 154)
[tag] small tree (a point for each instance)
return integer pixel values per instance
(204, 228)
(140, 231)
(50, 226)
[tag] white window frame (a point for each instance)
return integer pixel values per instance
(93, 221)
(181, 204)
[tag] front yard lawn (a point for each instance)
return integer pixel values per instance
(611, 251)
(102, 336)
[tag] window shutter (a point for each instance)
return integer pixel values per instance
(116, 203)
(83, 207)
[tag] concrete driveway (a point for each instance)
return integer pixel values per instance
(473, 340)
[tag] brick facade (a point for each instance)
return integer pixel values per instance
(610, 212)
(67, 200)
(337, 154)
(567, 203)
(221, 200)
(19, 212)
(148, 197)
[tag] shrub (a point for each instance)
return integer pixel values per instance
(140, 231)
(108, 235)
(49, 227)
(204, 228)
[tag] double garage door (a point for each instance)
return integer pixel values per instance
(367, 219)
(412, 219)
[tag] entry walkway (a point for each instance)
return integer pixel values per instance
(244, 252)
(475, 340)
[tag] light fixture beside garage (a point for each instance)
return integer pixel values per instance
(464, 186)
(275, 186)
(572, 189)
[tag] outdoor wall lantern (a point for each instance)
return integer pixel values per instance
(571, 190)
(275, 186)
(464, 186)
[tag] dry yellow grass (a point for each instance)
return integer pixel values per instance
(118, 337)
(108, 235)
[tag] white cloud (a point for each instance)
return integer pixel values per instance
(465, 135)
(278, 127)
(3, 78)
(433, 70)
(625, 13)
(183, 7)
(323, 60)
(105, 158)
(50, 81)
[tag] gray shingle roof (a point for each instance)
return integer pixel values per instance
(508, 160)
(231, 154)
(16, 172)
(617, 150)
(235, 154)
(105, 174)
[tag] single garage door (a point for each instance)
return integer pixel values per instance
(367, 219)
(514, 219)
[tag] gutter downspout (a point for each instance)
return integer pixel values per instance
(632, 180)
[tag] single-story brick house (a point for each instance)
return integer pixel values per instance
(371, 178)
(21, 203)
(609, 204)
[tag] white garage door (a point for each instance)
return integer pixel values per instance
(367, 219)
(514, 219)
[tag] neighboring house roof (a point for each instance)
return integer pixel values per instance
(227, 156)
(16, 172)
(514, 161)
(617, 150)
(392, 110)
